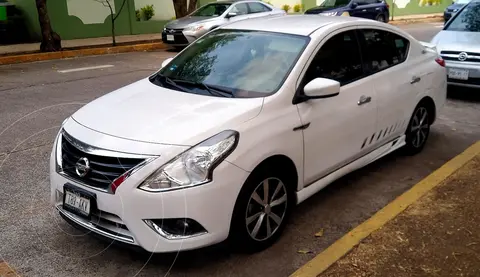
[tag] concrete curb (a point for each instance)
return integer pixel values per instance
(80, 53)
(344, 245)
(416, 20)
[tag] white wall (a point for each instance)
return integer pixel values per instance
(89, 11)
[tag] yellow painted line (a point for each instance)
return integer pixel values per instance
(342, 246)
(6, 270)
(23, 58)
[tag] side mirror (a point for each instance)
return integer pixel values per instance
(354, 5)
(318, 88)
(231, 14)
(167, 61)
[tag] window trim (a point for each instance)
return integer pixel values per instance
(300, 84)
(361, 42)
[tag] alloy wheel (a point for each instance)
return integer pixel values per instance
(419, 127)
(266, 209)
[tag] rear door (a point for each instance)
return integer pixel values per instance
(257, 9)
(384, 56)
(365, 9)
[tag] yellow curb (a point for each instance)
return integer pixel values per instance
(81, 52)
(342, 246)
(418, 20)
(7, 271)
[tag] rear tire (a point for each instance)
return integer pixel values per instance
(418, 129)
(380, 18)
(258, 221)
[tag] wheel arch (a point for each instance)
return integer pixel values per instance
(430, 105)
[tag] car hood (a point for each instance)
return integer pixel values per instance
(146, 112)
(457, 41)
(183, 22)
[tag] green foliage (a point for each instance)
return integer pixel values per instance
(286, 8)
(138, 15)
(147, 12)
(297, 8)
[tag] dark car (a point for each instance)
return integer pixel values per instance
(453, 8)
(371, 9)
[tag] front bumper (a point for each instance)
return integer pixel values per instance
(121, 216)
(178, 37)
(473, 69)
(447, 16)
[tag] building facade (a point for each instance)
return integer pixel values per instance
(73, 19)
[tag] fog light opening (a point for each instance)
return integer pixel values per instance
(176, 228)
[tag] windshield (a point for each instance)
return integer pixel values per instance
(334, 3)
(214, 9)
(462, 1)
(244, 63)
(468, 20)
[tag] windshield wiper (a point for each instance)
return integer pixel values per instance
(213, 90)
(170, 82)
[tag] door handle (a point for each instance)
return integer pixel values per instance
(364, 100)
(364, 10)
(415, 79)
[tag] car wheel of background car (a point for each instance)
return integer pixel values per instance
(418, 129)
(381, 18)
(262, 209)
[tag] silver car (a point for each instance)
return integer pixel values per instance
(459, 45)
(183, 31)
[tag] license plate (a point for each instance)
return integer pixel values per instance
(170, 38)
(459, 74)
(78, 201)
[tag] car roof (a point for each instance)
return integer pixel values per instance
(290, 24)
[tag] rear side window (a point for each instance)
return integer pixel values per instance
(258, 8)
(338, 59)
(382, 49)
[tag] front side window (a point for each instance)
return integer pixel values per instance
(334, 3)
(240, 9)
(468, 20)
(382, 49)
(258, 8)
(214, 9)
(338, 59)
(241, 63)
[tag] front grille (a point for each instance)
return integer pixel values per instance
(179, 38)
(454, 55)
(103, 170)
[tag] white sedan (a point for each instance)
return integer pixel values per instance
(245, 123)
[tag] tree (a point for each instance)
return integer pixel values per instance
(51, 41)
(108, 4)
(182, 9)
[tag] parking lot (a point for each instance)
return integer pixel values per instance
(34, 100)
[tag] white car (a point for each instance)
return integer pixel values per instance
(242, 125)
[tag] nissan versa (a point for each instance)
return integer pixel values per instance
(242, 125)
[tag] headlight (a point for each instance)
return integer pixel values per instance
(194, 28)
(330, 13)
(194, 166)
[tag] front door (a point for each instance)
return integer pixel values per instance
(341, 127)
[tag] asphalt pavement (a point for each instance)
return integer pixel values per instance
(36, 97)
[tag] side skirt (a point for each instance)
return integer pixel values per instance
(376, 154)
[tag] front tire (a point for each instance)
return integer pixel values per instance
(262, 210)
(418, 130)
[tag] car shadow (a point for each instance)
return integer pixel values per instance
(464, 94)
